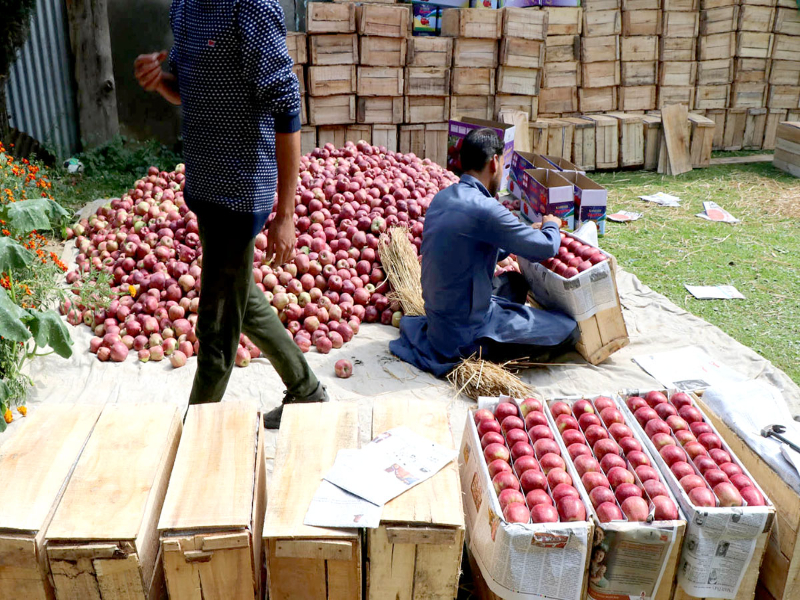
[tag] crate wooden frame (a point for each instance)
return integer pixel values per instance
(380, 109)
(425, 109)
(427, 81)
(425, 51)
(377, 51)
(332, 110)
(524, 23)
(472, 23)
(385, 21)
(330, 18)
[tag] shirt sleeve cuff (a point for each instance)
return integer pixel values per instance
(287, 122)
(549, 224)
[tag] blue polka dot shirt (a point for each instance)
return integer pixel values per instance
(237, 89)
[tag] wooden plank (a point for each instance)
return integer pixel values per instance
(559, 138)
(423, 109)
(774, 117)
(680, 5)
(472, 23)
(718, 116)
(562, 48)
(583, 143)
(386, 21)
(756, 18)
(680, 24)
(427, 81)
(318, 549)
(297, 46)
(475, 52)
(330, 18)
(564, 20)
(562, 74)
(332, 109)
(308, 139)
(424, 51)
(641, 22)
(558, 100)
(754, 128)
(750, 44)
(785, 72)
(334, 49)
(600, 74)
(332, 80)
(380, 81)
(516, 80)
(631, 139)
(652, 141)
(412, 139)
(637, 98)
(358, 133)
(639, 73)
(600, 49)
(712, 96)
(783, 96)
(524, 23)
(476, 107)
(602, 22)
(668, 95)
(538, 135)
(639, 48)
(702, 139)
(467, 81)
(715, 72)
(673, 123)
(385, 136)
(677, 48)
(515, 52)
(382, 51)
(787, 21)
(784, 47)
(735, 122)
(436, 143)
(606, 141)
(384, 109)
(638, 5)
(592, 100)
(723, 19)
(677, 73)
(748, 95)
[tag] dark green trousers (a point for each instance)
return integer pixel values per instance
(231, 303)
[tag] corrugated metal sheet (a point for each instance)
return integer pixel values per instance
(41, 88)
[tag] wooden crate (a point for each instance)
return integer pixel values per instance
(564, 20)
(424, 109)
(680, 5)
(332, 110)
(783, 96)
(754, 128)
(475, 52)
(583, 143)
(639, 48)
(787, 159)
(718, 116)
(677, 49)
(472, 23)
(716, 47)
(420, 540)
(750, 44)
(715, 72)
(600, 49)
(680, 24)
(735, 121)
(631, 139)
(676, 95)
(332, 80)
(103, 539)
(358, 133)
(756, 18)
(385, 136)
(225, 442)
(748, 95)
(559, 135)
(600, 74)
(598, 23)
(332, 134)
(516, 80)
(774, 118)
(384, 21)
(380, 81)
(330, 18)
(677, 73)
(786, 47)
(298, 71)
(787, 21)
(424, 51)
(427, 81)
(639, 73)
(752, 70)
(562, 48)
(641, 22)
(527, 104)
(334, 49)
(382, 51)
(537, 131)
(381, 109)
(712, 96)
(652, 141)
(784, 72)
(466, 81)
(638, 97)
(719, 20)
(313, 563)
(563, 74)
(524, 23)
(701, 140)
(475, 107)
(36, 464)
(558, 100)
(606, 143)
(308, 139)
(303, 109)
(412, 139)
(297, 46)
(516, 52)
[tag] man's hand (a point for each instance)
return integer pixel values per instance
(551, 219)
(147, 68)
(280, 240)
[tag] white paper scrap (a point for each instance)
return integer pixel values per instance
(713, 212)
(687, 369)
(389, 465)
(624, 216)
(662, 199)
(714, 292)
(334, 507)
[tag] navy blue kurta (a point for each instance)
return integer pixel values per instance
(465, 230)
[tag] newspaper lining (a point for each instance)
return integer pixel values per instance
(714, 292)
(687, 369)
(334, 507)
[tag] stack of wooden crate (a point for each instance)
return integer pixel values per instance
(680, 22)
(715, 66)
(600, 66)
(783, 95)
(641, 26)
(427, 86)
(561, 77)
(521, 56)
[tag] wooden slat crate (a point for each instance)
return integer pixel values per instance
(718, 116)
(427, 81)
(475, 107)
(516, 80)
(381, 109)
(357, 133)
(735, 122)
(680, 24)
(639, 48)
(559, 137)
(785, 48)
(36, 464)
(527, 104)
(638, 98)
(563, 74)
(754, 128)
(436, 149)
(631, 139)
(380, 81)
(558, 100)
(313, 563)
(719, 20)
(639, 73)
(424, 51)
(334, 49)
(308, 139)
(475, 52)
(676, 95)
(756, 18)
(712, 96)
(583, 148)
(748, 95)
(641, 22)
(385, 136)
(330, 18)
(297, 46)
(716, 47)
(564, 20)
(102, 543)
(672, 73)
(516, 52)
(332, 110)
(680, 5)
(424, 109)
(598, 23)
(594, 100)
(787, 159)
(537, 131)
(715, 72)
(562, 48)
(701, 141)
(784, 72)
(787, 21)
(524, 23)
(652, 141)
(679, 49)
(752, 70)
(382, 51)
(600, 49)
(332, 80)
(226, 506)
(750, 44)
(783, 96)
(385, 21)
(412, 139)
(472, 23)
(419, 543)
(600, 74)
(774, 118)
(606, 141)
(466, 81)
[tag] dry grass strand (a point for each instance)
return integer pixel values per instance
(476, 377)
(400, 262)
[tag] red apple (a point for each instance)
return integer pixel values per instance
(695, 449)
(512, 422)
(635, 403)
(702, 496)
(495, 452)
(719, 456)
(728, 494)
(530, 404)
(610, 461)
(655, 488)
(526, 463)
(619, 431)
(538, 496)
(645, 414)
(592, 480)
(505, 480)
(585, 464)
(516, 435)
(603, 402)
(699, 427)
(541, 432)
(653, 398)
(510, 496)
(654, 426)
(710, 440)
(740, 481)
(646, 473)
(571, 508)
(562, 489)
(565, 422)
(665, 509)
(608, 511)
(535, 418)
(521, 449)
(482, 414)
(533, 480)
(690, 414)
(715, 476)
(560, 408)
(505, 409)
(488, 425)
(635, 508)
(545, 446)
(556, 476)
(492, 437)
(617, 476)
(730, 469)
(680, 400)
(582, 407)
(672, 454)
(629, 444)
(752, 496)
(690, 482)
(576, 450)
(595, 433)
(611, 415)
(552, 461)
(681, 469)
(662, 439)
(601, 494)
(684, 436)
(665, 410)
(627, 490)
(638, 458)
(498, 466)
(676, 423)
(544, 513)
(603, 447)
(586, 420)
(572, 436)
(517, 513)
(704, 463)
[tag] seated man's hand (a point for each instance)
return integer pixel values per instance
(551, 219)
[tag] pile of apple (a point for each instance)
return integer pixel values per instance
(693, 452)
(547, 494)
(617, 474)
(573, 257)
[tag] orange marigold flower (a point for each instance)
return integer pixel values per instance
(8, 416)
(23, 410)
(5, 232)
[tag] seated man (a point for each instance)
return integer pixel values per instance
(465, 229)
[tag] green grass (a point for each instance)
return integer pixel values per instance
(668, 247)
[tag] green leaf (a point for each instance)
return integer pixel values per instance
(13, 255)
(49, 330)
(2, 424)
(11, 317)
(38, 214)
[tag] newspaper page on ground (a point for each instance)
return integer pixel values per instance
(714, 292)
(717, 549)
(392, 463)
(687, 369)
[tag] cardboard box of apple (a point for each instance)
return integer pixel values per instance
(629, 498)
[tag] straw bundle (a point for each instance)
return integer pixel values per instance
(402, 267)
(476, 377)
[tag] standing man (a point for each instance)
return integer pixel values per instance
(466, 231)
(232, 74)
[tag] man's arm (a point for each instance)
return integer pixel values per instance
(501, 228)
(150, 75)
(281, 234)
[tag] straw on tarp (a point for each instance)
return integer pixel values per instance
(401, 264)
(476, 377)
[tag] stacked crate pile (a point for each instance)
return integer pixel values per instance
(427, 87)
(783, 95)
(297, 45)
(561, 76)
(641, 26)
(680, 22)
(521, 58)
(600, 53)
